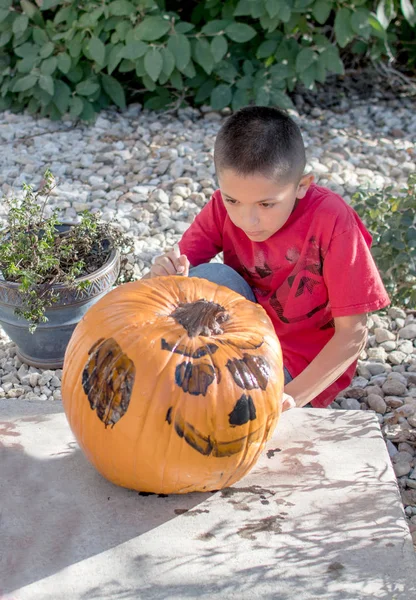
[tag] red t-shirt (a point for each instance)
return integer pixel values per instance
(316, 267)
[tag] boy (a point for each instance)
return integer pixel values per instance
(296, 248)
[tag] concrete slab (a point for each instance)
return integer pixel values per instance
(319, 517)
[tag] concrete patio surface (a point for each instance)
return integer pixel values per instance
(319, 516)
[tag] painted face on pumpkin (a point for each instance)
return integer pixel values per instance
(109, 375)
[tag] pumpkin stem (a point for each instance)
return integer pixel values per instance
(200, 317)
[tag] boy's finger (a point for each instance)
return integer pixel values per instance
(184, 265)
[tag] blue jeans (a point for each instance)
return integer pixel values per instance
(226, 276)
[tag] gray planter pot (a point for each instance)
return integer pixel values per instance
(46, 347)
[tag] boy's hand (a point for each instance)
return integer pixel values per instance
(171, 263)
(288, 402)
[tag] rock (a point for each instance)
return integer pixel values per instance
(392, 387)
(361, 382)
(355, 392)
(402, 468)
(377, 354)
(408, 332)
(403, 456)
(391, 448)
(376, 403)
(393, 401)
(350, 404)
(376, 368)
(395, 312)
(383, 335)
(159, 195)
(396, 357)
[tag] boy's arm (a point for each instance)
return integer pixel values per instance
(342, 349)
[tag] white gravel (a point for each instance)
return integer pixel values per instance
(154, 173)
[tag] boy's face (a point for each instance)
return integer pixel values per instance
(258, 205)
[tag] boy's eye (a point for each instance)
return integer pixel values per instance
(230, 201)
(266, 205)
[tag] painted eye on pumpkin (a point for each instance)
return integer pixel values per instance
(107, 380)
(250, 372)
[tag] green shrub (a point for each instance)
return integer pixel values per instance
(391, 218)
(59, 56)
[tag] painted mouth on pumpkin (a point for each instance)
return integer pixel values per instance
(208, 446)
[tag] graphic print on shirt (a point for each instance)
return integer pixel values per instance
(298, 292)
(258, 274)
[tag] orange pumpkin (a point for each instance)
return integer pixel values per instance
(173, 385)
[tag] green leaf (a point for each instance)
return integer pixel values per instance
(134, 50)
(343, 30)
(280, 99)
(96, 49)
(243, 8)
(183, 27)
(321, 11)
(245, 82)
(4, 14)
(273, 8)
(240, 32)
(40, 37)
(114, 90)
(114, 57)
(266, 49)
(378, 29)
(5, 38)
(219, 47)
(221, 96)
(168, 61)
(29, 8)
(304, 59)
(47, 84)
(203, 55)
(88, 113)
(153, 63)
(359, 22)
(181, 49)
(47, 4)
(331, 60)
(26, 64)
(49, 65)
(46, 50)
(77, 106)
(121, 8)
(214, 27)
(408, 11)
(152, 28)
(385, 12)
(20, 24)
(62, 96)
(149, 83)
(88, 87)
(262, 96)
(176, 80)
(226, 71)
(25, 83)
(285, 13)
(204, 91)
(64, 62)
(241, 97)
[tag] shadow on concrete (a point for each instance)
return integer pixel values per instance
(57, 511)
(288, 534)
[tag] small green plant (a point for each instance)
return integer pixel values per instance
(38, 252)
(391, 218)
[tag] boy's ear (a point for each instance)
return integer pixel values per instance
(304, 183)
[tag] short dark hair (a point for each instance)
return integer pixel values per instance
(261, 139)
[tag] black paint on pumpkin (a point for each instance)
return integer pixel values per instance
(169, 415)
(209, 446)
(107, 380)
(250, 372)
(194, 379)
(198, 353)
(243, 411)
